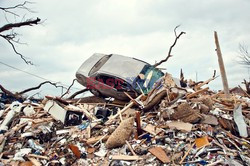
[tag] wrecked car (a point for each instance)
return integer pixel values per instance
(112, 75)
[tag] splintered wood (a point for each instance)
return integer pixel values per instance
(125, 157)
(152, 129)
(160, 154)
(180, 126)
(174, 124)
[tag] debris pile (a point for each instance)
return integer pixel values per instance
(172, 125)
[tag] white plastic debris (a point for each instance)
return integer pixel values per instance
(190, 90)
(63, 131)
(245, 159)
(227, 116)
(28, 110)
(55, 110)
(81, 147)
(1, 112)
(219, 113)
(28, 134)
(28, 126)
(19, 155)
(63, 161)
(216, 112)
(239, 120)
(15, 108)
(34, 146)
(7, 120)
(63, 141)
(23, 120)
(102, 152)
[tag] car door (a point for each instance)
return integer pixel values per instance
(106, 85)
(124, 86)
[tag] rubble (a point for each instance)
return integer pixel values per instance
(172, 125)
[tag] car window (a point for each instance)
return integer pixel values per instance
(146, 79)
(99, 64)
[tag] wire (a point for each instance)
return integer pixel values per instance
(34, 75)
(24, 71)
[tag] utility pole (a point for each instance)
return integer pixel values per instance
(221, 64)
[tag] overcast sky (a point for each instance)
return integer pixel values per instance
(74, 30)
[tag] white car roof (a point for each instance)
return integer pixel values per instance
(123, 67)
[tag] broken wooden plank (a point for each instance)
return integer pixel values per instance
(152, 129)
(126, 157)
(180, 126)
(159, 153)
(86, 112)
(130, 148)
(123, 110)
(197, 87)
(191, 147)
(38, 156)
(197, 92)
(93, 140)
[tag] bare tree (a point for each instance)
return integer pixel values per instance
(244, 56)
(244, 59)
(7, 31)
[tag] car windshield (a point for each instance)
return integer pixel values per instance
(146, 79)
(99, 64)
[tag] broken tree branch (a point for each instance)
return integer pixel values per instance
(67, 91)
(37, 87)
(77, 93)
(171, 47)
(247, 85)
(9, 93)
(244, 57)
(20, 24)
(11, 37)
(18, 6)
(198, 86)
(247, 94)
(9, 40)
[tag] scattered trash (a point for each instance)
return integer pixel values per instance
(173, 124)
